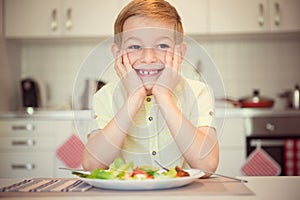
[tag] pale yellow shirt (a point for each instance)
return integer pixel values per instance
(149, 137)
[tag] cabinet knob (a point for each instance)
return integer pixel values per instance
(270, 127)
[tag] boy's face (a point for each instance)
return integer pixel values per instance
(147, 41)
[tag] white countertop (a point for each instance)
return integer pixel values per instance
(88, 114)
(49, 114)
(255, 112)
(265, 188)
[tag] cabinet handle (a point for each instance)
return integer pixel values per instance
(69, 23)
(27, 127)
(27, 166)
(28, 142)
(266, 143)
(54, 23)
(261, 19)
(277, 14)
(270, 127)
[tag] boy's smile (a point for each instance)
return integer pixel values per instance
(149, 74)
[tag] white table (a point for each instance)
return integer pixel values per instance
(283, 188)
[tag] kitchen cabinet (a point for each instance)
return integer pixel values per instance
(253, 16)
(284, 15)
(28, 147)
(194, 15)
(232, 143)
(237, 16)
(77, 18)
(59, 18)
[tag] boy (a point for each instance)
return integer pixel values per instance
(152, 113)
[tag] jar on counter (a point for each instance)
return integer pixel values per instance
(292, 97)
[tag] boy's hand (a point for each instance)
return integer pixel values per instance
(130, 80)
(170, 76)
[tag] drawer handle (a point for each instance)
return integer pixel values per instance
(27, 127)
(270, 127)
(28, 142)
(27, 166)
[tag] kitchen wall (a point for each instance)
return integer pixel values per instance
(9, 74)
(269, 63)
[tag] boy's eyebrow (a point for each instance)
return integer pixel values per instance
(140, 40)
(165, 37)
(132, 38)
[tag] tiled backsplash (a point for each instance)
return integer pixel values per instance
(268, 63)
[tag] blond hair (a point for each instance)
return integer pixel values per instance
(155, 9)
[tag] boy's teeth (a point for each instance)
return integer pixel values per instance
(147, 72)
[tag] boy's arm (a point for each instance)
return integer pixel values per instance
(199, 145)
(104, 145)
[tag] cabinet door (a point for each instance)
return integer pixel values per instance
(26, 164)
(232, 143)
(31, 18)
(238, 16)
(89, 17)
(285, 15)
(193, 14)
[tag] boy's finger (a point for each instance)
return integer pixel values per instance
(176, 58)
(169, 59)
(126, 62)
(119, 67)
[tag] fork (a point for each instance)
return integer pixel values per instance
(206, 172)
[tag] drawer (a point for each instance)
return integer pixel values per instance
(17, 127)
(26, 143)
(22, 165)
(275, 126)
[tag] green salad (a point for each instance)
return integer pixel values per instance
(119, 170)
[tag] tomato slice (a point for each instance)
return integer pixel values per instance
(137, 170)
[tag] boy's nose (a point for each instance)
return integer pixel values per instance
(148, 55)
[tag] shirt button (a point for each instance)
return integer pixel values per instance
(148, 99)
(211, 113)
(150, 118)
(153, 153)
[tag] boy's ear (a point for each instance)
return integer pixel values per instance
(115, 50)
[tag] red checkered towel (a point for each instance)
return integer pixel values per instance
(70, 152)
(260, 163)
(292, 157)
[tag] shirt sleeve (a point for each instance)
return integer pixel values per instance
(103, 106)
(202, 109)
(206, 107)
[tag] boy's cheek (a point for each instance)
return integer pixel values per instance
(132, 57)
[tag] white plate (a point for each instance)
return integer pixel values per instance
(149, 184)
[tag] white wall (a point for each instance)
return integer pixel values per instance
(268, 63)
(9, 75)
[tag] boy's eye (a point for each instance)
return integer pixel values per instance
(135, 47)
(162, 46)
